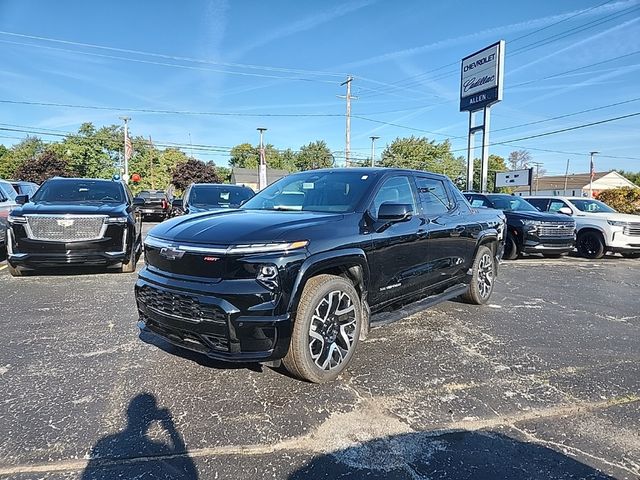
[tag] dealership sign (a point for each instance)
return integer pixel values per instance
(481, 78)
(514, 178)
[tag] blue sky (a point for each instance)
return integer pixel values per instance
(286, 57)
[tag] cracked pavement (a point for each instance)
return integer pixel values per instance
(542, 383)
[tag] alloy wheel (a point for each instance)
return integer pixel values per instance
(332, 330)
(485, 275)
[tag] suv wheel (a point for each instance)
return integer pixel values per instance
(590, 245)
(510, 248)
(630, 254)
(130, 266)
(482, 279)
(326, 329)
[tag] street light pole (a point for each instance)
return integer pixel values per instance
(262, 167)
(373, 149)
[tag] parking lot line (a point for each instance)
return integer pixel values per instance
(2, 267)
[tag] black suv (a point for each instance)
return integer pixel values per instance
(529, 230)
(302, 269)
(203, 197)
(75, 221)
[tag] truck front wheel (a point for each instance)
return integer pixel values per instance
(326, 329)
(482, 278)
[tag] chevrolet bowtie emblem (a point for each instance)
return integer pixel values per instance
(171, 253)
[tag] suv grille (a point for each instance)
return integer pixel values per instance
(65, 228)
(556, 229)
(184, 306)
(633, 229)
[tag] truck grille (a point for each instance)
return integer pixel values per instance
(65, 228)
(556, 229)
(184, 306)
(632, 229)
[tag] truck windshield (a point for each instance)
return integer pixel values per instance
(218, 196)
(317, 191)
(592, 206)
(511, 203)
(78, 191)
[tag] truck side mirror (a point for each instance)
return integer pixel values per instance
(22, 199)
(138, 201)
(394, 212)
(177, 203)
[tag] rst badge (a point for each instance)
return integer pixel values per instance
(171, 253)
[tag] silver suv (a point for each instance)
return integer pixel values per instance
(600, 228)
(7, 203)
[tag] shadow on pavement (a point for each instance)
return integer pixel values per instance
(131, 453)
(457, 454)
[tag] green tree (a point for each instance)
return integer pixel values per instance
(246, 155)
(25, 151)
(193, 171)
(314, 155)
(420, 153)
(496, 164)
(46, 165)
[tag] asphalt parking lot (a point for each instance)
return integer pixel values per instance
(542, 383)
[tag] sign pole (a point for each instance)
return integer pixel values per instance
(485, 148)
(470, 147)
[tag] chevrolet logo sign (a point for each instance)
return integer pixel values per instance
(171, 253)
(65, 222)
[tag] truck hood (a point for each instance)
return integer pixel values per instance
(229, 227)
(80, 208)
(538, 216)
(619, 217)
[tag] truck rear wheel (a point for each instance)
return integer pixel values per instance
(510, 248)
(326, 329)
(482, 278)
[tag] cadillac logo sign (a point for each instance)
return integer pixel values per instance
(171, 253)
(481, 78)
(65, 222)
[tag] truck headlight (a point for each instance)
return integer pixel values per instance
(531, 224)
(267, 247)
(268, 276)
(617, 223)
(115, 220)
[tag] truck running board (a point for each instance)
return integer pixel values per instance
(385, 317)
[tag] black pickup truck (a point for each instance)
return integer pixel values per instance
(302, 269)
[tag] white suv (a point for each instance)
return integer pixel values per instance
(7, 203)
(600, 228)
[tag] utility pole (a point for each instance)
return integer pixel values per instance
(348, 97)
(262, 167)
(127, 148)
(373, 149)
(592, 173)
(566, 178)
(537, 164)
(153, 185)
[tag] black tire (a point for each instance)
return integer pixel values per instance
(310, 357)
(630, 254)
(130, 266)
(482, 278)
(590, 244)
(14, 271)
(510, 248)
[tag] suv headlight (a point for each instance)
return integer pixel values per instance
(267, 247)
(617, 223)
(115, 220)
(531, 223)
(19, 220)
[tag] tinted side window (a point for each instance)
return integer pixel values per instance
(478, 201)
(539, 203)
(394, 190)
(433, 195)
(556, 205)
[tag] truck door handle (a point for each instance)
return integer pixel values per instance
(458, 230)
(423, 232)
